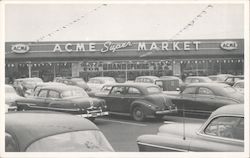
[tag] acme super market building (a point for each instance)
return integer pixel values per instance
(123, 59)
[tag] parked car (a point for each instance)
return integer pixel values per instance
(239, 86)
(169, 85)
(230, 80)
(79, 82)
(27, 83)
(146, 79)
(219, 77)
(139, 100)
(96, 83)
(222, 132)
(69, 99)
(10, 97)
(195, 79)
(172, 78)
(203, 98)
(52, 132)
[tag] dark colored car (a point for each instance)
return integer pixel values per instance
(139, 100)
(222, 132)
(79, 82)
(203, 98)
(52, 132)
(230, 80)
(69, 99)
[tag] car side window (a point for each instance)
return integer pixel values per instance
(10, 143)
(133, 91)
(205, 91)
(195, 80)
(118, 90)
(53, 94)
(43, 93)
(189, 90)
(226, 127)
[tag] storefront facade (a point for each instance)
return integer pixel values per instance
(123, 60)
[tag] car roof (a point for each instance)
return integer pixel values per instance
(234, 109)
(136, 84)
(153, 77)
(61, 88)
(197, 77)
(30, 126)
(208, 84)
(28, 79)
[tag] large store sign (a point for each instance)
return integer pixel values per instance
(139, 46)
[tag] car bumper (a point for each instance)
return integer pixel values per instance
(166, 111)
(95, 114)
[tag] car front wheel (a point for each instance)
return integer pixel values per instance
(138, 114)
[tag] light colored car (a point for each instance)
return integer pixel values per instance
(239, 86)
(146, 79)
(96, 83)
(219, 77)
(10, 97)
(52, 132)
(222, 132)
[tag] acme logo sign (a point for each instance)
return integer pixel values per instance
(229, 45)
(20, 48)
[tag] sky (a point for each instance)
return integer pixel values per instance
(120, 21)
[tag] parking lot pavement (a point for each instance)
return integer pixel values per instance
(122, 132)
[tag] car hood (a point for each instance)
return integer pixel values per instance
(10, 98)
(180, 129)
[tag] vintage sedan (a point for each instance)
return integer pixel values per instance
(195, 79)
(139, 100)
(203, 98)
(146, 79)
(40, 131)
(222, 132)
(230, 80)
(69, 99)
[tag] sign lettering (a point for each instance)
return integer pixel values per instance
(20, 48)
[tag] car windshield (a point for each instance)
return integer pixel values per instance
(153, 90)
(74, 93)
(80, 141)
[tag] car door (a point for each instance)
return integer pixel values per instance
(132, 94)
(222, 134)
(185, 102)
(205, 101)
(115, 99)
(39, 101)
(54, 97)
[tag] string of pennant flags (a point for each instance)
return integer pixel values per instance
(193, 21)
(76, 20)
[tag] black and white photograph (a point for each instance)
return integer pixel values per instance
(125, 78)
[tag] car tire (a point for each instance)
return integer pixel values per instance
(138, 113)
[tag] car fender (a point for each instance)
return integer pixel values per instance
(142, 103)
(163, 143)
